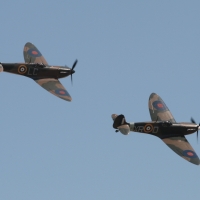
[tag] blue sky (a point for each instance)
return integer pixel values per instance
(53, 149)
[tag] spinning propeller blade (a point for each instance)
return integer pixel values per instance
(198, 132)
(193, 121)
(72, 70)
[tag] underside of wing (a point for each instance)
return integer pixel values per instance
(182, 147)
(55, 87)
(158, 109)
(32, 54)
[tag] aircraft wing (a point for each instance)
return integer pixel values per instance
(158, 109)
(182, 147)
(33, 55)
(55, 87)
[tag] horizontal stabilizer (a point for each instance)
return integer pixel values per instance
(124, 129)
(121, 124)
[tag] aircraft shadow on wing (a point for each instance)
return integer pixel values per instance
(164, 126)
(37, 68)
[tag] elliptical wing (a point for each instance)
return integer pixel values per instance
(182, 147)
(55, 87)
(158, 109)
(33, 55)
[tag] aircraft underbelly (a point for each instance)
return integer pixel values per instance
(175, 131)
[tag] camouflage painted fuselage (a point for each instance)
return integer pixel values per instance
(164, 126)
(37, 70)
(164, 129)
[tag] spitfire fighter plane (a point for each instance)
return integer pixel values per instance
(164, 126)
(37, 68)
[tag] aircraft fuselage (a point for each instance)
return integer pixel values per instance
(37, 71)
(164, 129)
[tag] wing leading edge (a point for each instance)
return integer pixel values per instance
(182, 147)
(55, 87)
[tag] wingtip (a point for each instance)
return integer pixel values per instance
(28, 44)
(195, 161)
(152, 94)
(68, 98)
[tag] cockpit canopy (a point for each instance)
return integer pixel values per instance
(166, 123)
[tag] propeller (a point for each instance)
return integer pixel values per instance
(72, 69)
(193, 121)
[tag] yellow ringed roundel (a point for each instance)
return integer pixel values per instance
(22, 69)
(148, 128)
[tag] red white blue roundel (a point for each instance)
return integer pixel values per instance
(61, 92)
(34, 53)
(190, 154)
(159, 105)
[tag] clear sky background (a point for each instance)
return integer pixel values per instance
(52, 149)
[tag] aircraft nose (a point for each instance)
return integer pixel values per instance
(72, 71)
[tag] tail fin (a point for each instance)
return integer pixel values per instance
(121, 124)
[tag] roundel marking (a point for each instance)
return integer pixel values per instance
(22, 69)
(34, 53)
(159, 105)
(189, 154)
(61, 92)
(148, 128)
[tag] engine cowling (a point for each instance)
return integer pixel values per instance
(120, 124)
(1, 68)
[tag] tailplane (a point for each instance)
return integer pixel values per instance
(1, 68)
(120, 124)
